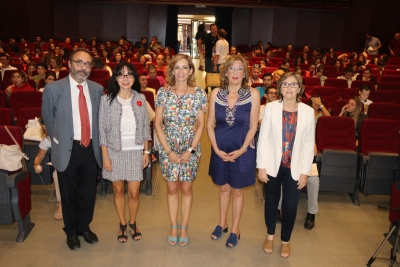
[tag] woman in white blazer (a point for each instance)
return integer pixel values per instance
(284, 156)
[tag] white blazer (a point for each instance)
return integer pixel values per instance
(269, 149)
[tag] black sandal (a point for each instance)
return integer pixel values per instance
(122, 236)
(135, 234)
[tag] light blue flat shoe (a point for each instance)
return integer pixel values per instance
(183, 241)
(172, 241)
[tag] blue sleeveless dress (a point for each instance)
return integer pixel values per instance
(231, 127)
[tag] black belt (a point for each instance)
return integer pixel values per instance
(78, 142)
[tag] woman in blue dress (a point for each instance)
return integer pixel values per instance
(231, 126)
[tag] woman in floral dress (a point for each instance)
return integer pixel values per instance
(179, 123)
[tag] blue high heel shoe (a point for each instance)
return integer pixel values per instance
(218, 232)
(173, 239)
(232, 240)
(183, 241)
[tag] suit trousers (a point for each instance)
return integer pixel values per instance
(290, 200)
(78, 189)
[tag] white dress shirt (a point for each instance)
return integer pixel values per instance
(76, 119)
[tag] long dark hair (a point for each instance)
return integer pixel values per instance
(113, 87)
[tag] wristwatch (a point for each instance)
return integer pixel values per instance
(191, 150)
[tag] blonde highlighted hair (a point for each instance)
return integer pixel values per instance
(225, 67)
(191, 81)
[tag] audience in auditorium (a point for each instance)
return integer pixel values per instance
(353, 109)
(365, 90)
(255, 75)
(153, 75)
(49, 78)
(41, 69)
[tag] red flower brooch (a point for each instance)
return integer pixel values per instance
(139, 103)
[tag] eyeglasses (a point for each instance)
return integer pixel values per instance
(122, 76)
(292, 84)
(272, 93)
(80, 63)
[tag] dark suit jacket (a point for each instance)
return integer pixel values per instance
(57, 116)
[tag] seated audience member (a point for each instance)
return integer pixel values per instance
(20, 83)
(367, 77)
(286, 64)
(348, 76)
(41, 69)
(13, 46)
(30, 69)
(365, 90)
(256, 52)
(160, 64)
(5, 64)
(361, 59)
(305, 58)
(151, 54)
(57, 51)
(343, 59)
(271, 94)
(306, 50)
(64, 53)
(298, 70)
(255, 75)
(143, 85)
(267, 81)
(263, 64)
(26, 59)
(298, 61)
(320, 74)
(260, 44)
(233, 51)
(153, 74)
(67, 40)
(100, 65)
(155, 45)
(168, 59)
(142, 43)
(124, 56)
(276, 75)
(324, 60)
(319, 108)
(106, 57)
(50, 77)
(338, 66)
(56, 65)
(353, 109)
(311, 70)
(118, 57)
(289, 48)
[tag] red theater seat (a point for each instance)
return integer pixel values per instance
(20, 100)
(388, 111)
(388, 96)
(328, 95)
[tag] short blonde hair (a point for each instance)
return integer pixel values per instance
(169, 75)
(228, 63)
(284, 77)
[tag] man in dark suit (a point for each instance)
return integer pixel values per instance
(70, 113)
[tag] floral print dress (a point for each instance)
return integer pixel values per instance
(179, 126)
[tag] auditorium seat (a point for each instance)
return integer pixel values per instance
(338, 104)
(15, 190)
(311, 81)
(350, 93)
(26, 114)
(100, 76)
(6, 117)
(254, 85)
(63, 74)
(391, 72)
(7, 78)
(388, 96)
(3, 99)
(388, 86)
(328, 95)
(29, 99)
(336, 158)
(388, 111)
(153, 83)
(340, 83)
(390, 79)
(378, 156)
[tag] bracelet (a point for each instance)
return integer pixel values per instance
(169, 152)
(105, 158)
(146, 152)
(245, 149)
(321, 106)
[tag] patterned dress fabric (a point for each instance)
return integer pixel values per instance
(289, 126)
(231, 127)
(179, 120)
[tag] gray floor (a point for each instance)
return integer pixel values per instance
(345, 235)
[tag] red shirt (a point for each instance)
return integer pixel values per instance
(23, 88)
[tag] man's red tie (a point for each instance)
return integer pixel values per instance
(84, 114)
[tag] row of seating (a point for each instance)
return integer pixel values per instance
(343, 169)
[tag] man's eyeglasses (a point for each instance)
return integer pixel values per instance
(128, 76)
(80, 63)
(292, 84)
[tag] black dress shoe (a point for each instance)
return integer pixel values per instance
(89, 237)
(310, 221)
(279, 217)
(73, 242)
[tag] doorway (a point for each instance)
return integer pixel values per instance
(187, 29)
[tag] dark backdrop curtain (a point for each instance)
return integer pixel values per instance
(171, 33)
(223, 19)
